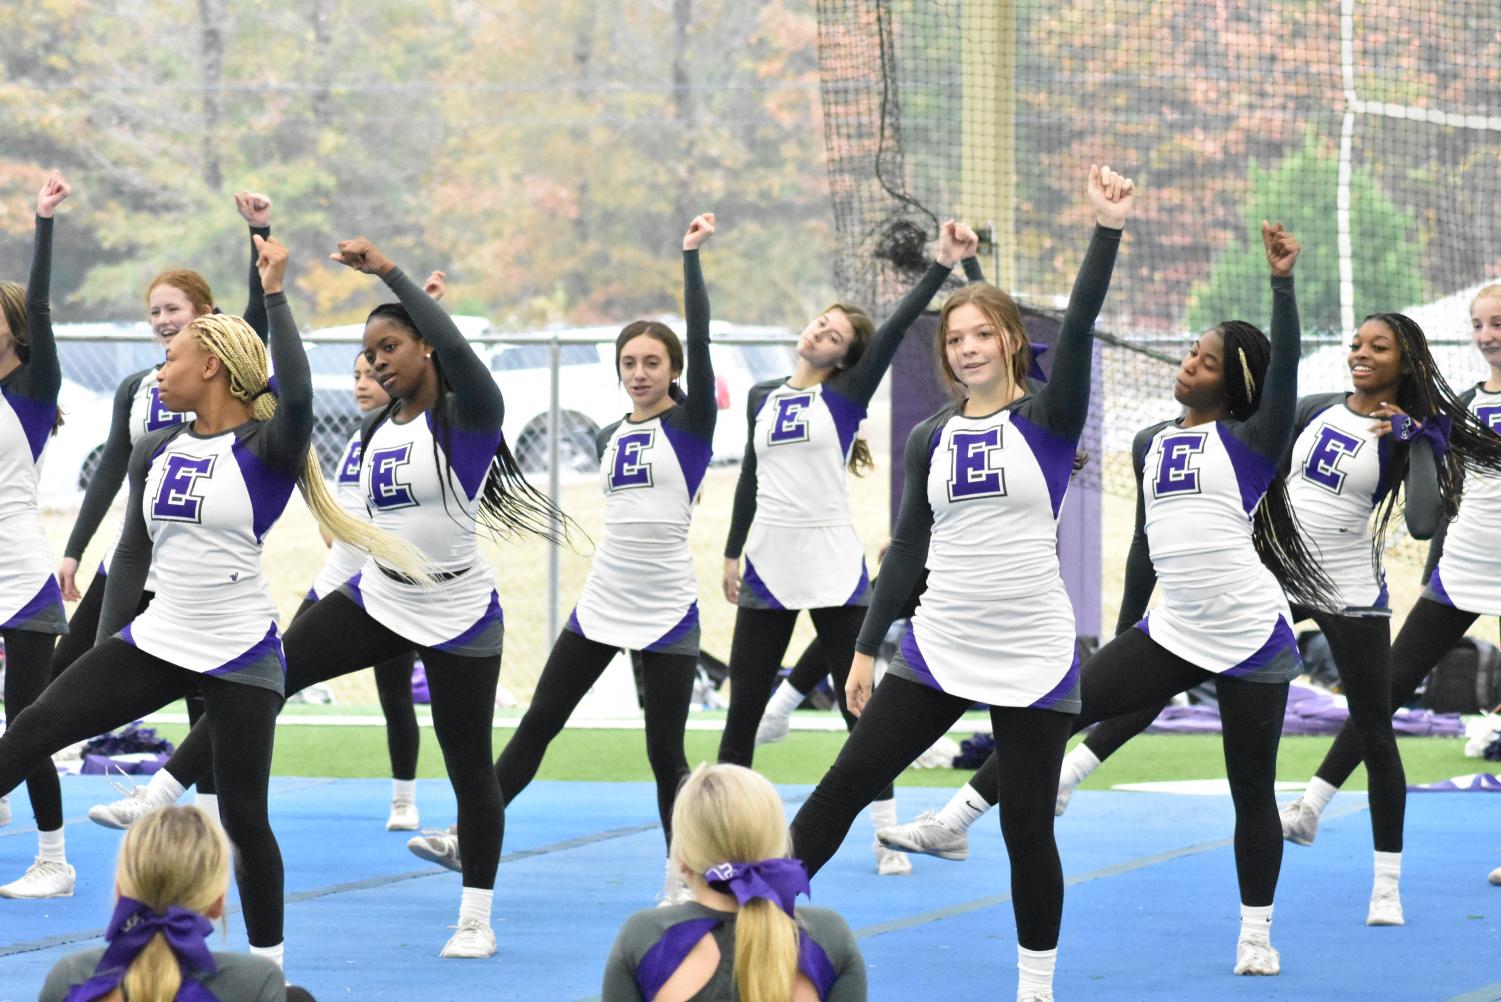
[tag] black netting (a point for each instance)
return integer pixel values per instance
(992, 111)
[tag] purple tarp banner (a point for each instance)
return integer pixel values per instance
(1309, 711)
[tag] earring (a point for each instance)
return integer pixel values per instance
(428, 355)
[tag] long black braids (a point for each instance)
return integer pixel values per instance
(508, 505)
(1275, 529)
(1422, 393)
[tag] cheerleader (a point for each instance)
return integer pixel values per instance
(173, 300)
(1462, 583)
(641, 593)
(434, 468)
(203, 495)
(792, 517)
(985, 480)
(31, 607)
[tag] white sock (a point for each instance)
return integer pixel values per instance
(883, 813)
(785, 700)
(1035, 969)
(162, 789)
(50, 845)
(208, 803)
(404, 790)
(275, 953)
(474, 904)
(963, 809)
(1077, 766)
(1256, 923)
(1388, 868)
(1318, 794)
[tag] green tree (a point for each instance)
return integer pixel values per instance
(1300, 193)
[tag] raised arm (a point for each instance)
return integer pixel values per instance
(287, 434)
(255, 209)
(43, 376)
(1063, 404)
(127, 572)
(860, 381)
(702, 406)
(1269, 431)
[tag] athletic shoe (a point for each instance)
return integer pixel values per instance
(675, 889)
(1386, 906)
(1495, 877)
(124, 812)
(1257, 956)
(441, 846)
(474, 939)
(403, 817)
(4, 810)
(1300, 822)
(928, 836)
(1062, 805)
(890, 863)
(773, 728)
(1034, 995)
(46, 878)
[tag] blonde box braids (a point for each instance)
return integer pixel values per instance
(248, 366)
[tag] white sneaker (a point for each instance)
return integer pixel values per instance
(124, 812)
(403, 817)
(1062, 805)
(1034, 995)
(890, 863)
(45, 878)
(4, 810)
(927, 835)
(773, 728)
(441, 846)
(675, 889)
(1495, 876)
(1257, 956)
(473, 939)
(1386, 906)
(1300, 822)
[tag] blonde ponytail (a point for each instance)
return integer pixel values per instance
(174, 856)
(727, 813)
(246, 362)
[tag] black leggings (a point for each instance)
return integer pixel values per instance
(393, 685)
(761, 638)
(574, 665)
(1430, 632)
(82, 630)
(115, 683)
(900, 722)
(811, 668)
(28, 668)
(336, 637)
(1361, 649)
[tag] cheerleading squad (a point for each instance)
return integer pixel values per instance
(1255, 509)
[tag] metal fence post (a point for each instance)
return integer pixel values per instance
(554, 486)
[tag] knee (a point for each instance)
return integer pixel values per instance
(1025, 825)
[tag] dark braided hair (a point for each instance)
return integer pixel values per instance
(1275, 529)
(508, 504)
(1422, 393)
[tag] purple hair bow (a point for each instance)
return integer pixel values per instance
(1435, 429)
(777, 880)
(1036, 371)
(131, 927)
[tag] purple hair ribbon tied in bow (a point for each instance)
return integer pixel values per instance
(1036, 370)
(776, 880)
(1435, 429)
(130, 929)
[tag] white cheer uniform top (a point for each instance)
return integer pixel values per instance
(1468, 575)
(343, 561)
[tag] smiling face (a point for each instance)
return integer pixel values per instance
(397, 357)
(1375, 359)
(646, 371)
(1485, 327)
(169, 309)
(980, 353)
(1200, 384)
(826, 340)
(368, 394)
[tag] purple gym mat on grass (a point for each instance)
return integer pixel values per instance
(1309, 711)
